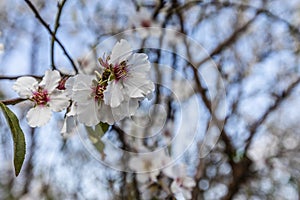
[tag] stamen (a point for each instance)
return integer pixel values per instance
(41, 97)
(98, 91)
(120, 71)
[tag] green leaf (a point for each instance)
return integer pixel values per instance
(95, 136)
(18, 138)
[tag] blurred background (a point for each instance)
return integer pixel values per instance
(227, 103)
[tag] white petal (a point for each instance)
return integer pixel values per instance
(168, 171)
(87, 113)
(82, 88)
(24, 86)
(120, 51)
(105, 114)
(138, 87)
(175, 187)
(68, 126)
(189, 182)
(72, 111)
(50, 80)
(153, 175)
(113, 95)
(186, 193)
(38, 116)
(125, 109)
(59, 101)
(138, 62)
(69, 86)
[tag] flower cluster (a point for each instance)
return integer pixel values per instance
(114, 93)
(150, 172)
(111, 94)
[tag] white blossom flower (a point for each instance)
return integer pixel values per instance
(144, 23)
(87, 94)
(129, 78)
(45, 96)
(147, 166)
(182, 184)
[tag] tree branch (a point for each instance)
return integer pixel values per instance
(38, 16)
(2, 77)
(56, 26)
(12, 101)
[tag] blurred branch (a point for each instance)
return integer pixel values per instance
(125, 146)
(231, 39)
(38, 16)
(190, 4)
(279, 100)
(56, 26)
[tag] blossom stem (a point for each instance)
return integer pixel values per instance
(12, 101)
(56, 26)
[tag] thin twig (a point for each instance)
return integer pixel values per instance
(2, 77)
(12, 101)
(38, 16)
(254, 127)
(56, 26)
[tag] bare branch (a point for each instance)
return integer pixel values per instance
(2, 77)
(12, 101)
(38, 16)
(56, 26)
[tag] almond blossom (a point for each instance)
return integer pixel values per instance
(147, 166)
(144, 23)
(88, 99)
(129, 75)
(182, 184)
(45, 96)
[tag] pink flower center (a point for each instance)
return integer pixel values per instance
(98, 91)
(41, 97)
(146, 23)
(120, 70)
(179, 182)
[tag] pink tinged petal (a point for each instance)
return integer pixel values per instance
(50, 80)
(24, 86)
(58, 101)
(113, 95)
(87, 113)
(120, 52)
(38, 116)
